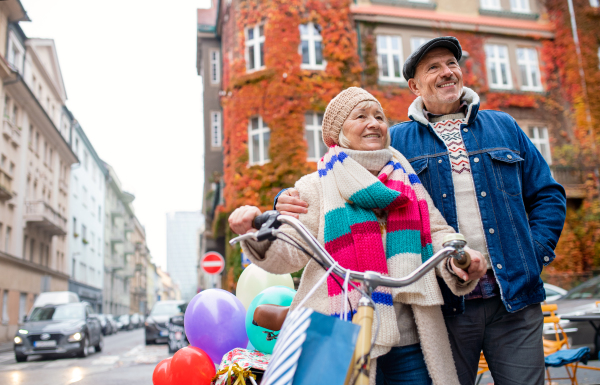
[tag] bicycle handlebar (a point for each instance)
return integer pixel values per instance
(269, 222)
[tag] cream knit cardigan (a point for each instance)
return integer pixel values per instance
(280, 258)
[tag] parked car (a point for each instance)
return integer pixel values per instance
(105, 324)
(114, 324)
(177, 337)
(136, 321)
(156, 323)
(59, 329)
(553, 292)
(580, 300)
(125, 322)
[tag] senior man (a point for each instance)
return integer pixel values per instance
(491, 184)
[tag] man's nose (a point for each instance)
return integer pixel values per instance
(446, 71)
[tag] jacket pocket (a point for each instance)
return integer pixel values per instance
(506, 166)
(420, 167)
(543, 254)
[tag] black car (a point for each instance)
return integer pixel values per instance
(105, 324)
(177, 337)
(156, 323)
(125, 321)
(59, 329)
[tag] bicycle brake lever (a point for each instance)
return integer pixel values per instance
(268, 226)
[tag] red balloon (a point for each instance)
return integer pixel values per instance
(161, 375)
(191, 366)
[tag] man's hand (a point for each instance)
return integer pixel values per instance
(289, 203)
(240, 220)
(477, 269)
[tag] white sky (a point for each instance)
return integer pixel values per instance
(129, 68)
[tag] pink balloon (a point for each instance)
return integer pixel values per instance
(215, 322)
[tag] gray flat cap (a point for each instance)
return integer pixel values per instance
(410, 65)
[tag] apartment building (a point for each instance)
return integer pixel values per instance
(141, 259)
(86, 221)
(119, 249)
(35, 167)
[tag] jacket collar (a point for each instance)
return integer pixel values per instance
(415, 111)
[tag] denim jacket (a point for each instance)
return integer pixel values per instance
(522, 207)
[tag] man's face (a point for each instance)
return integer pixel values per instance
(438, 78)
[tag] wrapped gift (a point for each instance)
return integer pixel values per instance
(242, 367)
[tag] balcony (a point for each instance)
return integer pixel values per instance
(11, 132)
(128, 248)
(572, 179)
(5, 186)
(40, 214)
(116, 235)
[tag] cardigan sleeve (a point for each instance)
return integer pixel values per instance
(279, 257)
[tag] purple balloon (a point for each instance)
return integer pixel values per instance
(215, 322)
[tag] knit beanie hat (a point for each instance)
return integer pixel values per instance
(338, 110)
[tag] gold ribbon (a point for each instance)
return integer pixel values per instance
(237, 371)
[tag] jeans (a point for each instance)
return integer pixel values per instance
(403, 365)
(511, 342)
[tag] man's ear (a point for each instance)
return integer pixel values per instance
(413, 86)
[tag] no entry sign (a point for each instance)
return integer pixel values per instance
(212, 263)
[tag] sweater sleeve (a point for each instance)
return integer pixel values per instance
(279, 257)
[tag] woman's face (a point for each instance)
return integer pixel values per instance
(366, 128)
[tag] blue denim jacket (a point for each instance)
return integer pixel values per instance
(522, 207)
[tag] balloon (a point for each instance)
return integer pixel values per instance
(161, 373)
(276, 295)
(191, 366)
(214, 322)
(254, 280)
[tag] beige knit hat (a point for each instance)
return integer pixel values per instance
(338, 110)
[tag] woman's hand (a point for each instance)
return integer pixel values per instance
(289, 203)
(240, 220)
(476, 270)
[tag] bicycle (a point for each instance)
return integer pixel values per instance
(273, 316)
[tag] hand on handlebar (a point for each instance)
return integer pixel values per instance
(240, 220)
(477, 268)
(289, 203)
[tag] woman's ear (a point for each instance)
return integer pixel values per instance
(414, 87)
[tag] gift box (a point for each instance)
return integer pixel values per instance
(242, 366)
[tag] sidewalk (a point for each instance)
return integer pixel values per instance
(6, 347)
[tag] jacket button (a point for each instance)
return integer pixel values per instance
(546, 258)
(476, 160)
(491, 231)
(444, 195)
(510, 307)
(509, 156)
(483, 194)
(440, 161)
(454, 309)
(499, 266)
(465, 129)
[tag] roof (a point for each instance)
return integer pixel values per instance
(434, 19)
(207, 18)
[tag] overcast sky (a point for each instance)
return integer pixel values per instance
(129, 68)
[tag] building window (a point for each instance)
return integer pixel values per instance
(529, 68)
(490, 4)
(7, 239)
(416, 42)
(83, 232)
(311, 46)
(215, 66)
(498, 66)
(215, 129)
(540, 139)
(31, 249)
(389, 56)
(5, 307)
(85, 160)
(521, 6)
(599, 58)
(313, 134)
(595, 3)
(259, 137)
(255, 47)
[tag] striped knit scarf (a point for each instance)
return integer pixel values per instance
(352, 233)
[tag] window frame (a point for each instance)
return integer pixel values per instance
(312, 52)
(216, 129)
(254, 45)
(263, 157)
(516, 6)
(529, 66)
(486, 4)
(390, 52)
(215, 66)
(498, 62)
(533, 134)
(317, 137)
(594, 3)
(414, 39)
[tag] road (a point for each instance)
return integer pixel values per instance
(125, 360)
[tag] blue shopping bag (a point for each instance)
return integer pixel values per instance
(312, 348)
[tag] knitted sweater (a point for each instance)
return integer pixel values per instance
(424, 296)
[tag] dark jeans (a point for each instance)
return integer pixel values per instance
(511, 342)
(403, 365)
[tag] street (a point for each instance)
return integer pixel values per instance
(124, 360)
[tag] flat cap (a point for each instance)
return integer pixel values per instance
(450, 42)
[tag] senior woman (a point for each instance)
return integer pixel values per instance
(369, 209)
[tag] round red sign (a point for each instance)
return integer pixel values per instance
(213, 263)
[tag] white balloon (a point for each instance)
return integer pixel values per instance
(254, 280)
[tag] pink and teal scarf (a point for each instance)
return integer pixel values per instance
(353, 235)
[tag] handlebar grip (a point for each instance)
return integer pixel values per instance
(258, 221)
(464, 262)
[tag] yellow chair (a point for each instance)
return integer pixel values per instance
(561, 341)
(482, 368)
